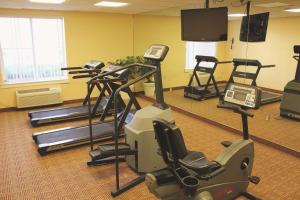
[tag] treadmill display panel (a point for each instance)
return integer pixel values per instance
(240, 96)
(243, 95)
(156, 52)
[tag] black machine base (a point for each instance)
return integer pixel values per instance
(199, 93)
(128, 186)
(249, 196)
(105, 161)
(108, 150)
(105, 154)
(290, 102)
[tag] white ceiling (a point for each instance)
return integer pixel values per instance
(235, 7)
(134, 7)
(156, 7)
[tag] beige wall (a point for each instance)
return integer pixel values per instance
(282, 35)
(111, 36)
(88, 36)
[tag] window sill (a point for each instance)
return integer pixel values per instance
(188, 70)
(16, 85)
(200, 74)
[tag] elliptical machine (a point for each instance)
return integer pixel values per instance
(290, 102)
(140, 147)
(189, 175)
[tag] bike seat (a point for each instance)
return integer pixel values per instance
(196, 161)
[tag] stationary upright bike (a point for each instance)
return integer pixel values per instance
(189, 175)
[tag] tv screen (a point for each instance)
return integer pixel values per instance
(204, 24)
(258, 25)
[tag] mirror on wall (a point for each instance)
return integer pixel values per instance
(266, 60)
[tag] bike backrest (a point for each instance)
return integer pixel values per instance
(297, 49)
(170, 141)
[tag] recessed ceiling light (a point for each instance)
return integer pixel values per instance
(236, 15)
(48, 1)
(293, 10)
(271, 5)
(111, 4)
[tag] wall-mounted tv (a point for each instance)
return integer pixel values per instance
(209, 24)
(258, 25)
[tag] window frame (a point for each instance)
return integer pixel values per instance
(188, 69)
(5, 84)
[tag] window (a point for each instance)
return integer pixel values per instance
(32, 49)
(198, 48)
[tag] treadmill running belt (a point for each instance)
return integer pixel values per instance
(79, 133)
(270, 97)
(63, 111)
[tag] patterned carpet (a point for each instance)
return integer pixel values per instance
(266, 122)
(64, 175)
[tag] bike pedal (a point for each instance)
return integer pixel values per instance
(226, 143)
(254, 179)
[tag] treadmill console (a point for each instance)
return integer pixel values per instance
(156, 52)
(111, 68)
(243, 95)
(94, 64)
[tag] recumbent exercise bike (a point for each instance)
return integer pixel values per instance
(189, 175)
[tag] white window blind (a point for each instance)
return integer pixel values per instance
(32, 49)
(199, 48)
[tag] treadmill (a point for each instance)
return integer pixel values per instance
(42, 117)
(59, 139)
(290, 106)
(266, 96)
(207, 90)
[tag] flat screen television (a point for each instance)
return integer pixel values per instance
(209, 24)
(258, 25)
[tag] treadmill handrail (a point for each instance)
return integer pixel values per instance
(267, 66)
(85, 71)
(249, 62)
(84, 76)
(224, 62)
(120, 69)
(70, 68)
(116, 95)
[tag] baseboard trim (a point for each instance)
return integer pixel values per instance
(174, 88)
(224, 82)
(232, 130)
(8, 109)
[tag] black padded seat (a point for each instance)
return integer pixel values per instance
(196, 161)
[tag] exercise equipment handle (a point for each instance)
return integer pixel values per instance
(224, 106)
(224, 62)
(84, 76)
(123, 68)
(85, 71)
(71, 68)
(267, 66)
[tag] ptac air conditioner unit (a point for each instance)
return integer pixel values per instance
(38, 97)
